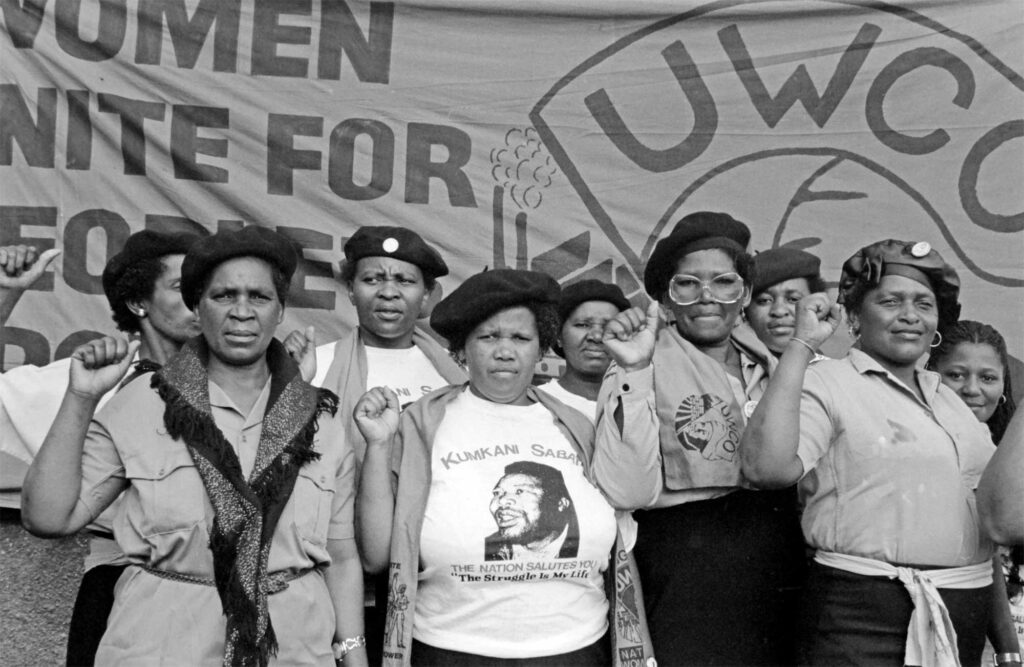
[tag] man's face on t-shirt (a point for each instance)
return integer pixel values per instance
(521, 510)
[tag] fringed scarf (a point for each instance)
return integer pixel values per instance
(245, 512)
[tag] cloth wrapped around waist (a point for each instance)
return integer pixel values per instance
(931, 638)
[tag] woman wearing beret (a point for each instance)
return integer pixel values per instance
(583, 310)
(489, 502)
(782, 276)
(390, 274)
(238, 494)
(141, 283)
(888, 459)
(721, 565)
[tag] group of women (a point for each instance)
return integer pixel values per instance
(683, 453)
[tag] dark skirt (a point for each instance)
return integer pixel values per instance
(722, 578)
(853, 619)
(89, 618)
(597, 654)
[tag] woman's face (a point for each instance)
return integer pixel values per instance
(772, 313)
(706, 322)
(239, 310)
(165, 309)
(389, 295)
(897, 321)
(582, 335)
(501, 353)
(975, 372)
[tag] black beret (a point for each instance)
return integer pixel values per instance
(139, 247)
(697, 231)
(252, 241)
(484, 294)
(589, 290)
(397, 242)
(776, 265)
(914, 260)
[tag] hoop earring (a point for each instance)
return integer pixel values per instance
(854, 334)
(939, 334)
(1002, 399)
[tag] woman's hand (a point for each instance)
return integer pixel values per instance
(376, 415)
(816, 319)
(99, 365)
(301, 346)
(21, 265)
(630, 337)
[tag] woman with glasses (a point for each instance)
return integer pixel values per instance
(720, 565)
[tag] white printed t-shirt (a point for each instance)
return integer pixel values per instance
(405, 371)
(580, 403)
(481, 589)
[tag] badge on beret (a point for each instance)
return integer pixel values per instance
(748, 408)
(391, 244)
(921, 249)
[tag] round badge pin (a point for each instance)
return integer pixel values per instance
(390, 244)
(921, 249)
(748, 408)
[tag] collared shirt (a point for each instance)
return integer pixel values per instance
(167, 515)
(241, 430)
(887, 475)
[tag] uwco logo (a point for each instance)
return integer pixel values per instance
(850, 123)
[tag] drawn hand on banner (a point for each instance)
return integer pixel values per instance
(376, 416)
(630, 336)
(301, 346)
(99, 365)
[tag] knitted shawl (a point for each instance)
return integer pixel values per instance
(246, 512)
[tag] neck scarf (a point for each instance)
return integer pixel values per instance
(700, 420)
(348, 372)
(631, 642)
(245, 511)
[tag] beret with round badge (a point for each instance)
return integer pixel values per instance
(703, 230)
(486, 293)
(253, 241)
(139, 247)
(397, 242)
(917, 261)
(776, 265)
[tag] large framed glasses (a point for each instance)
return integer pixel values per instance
(724, 288)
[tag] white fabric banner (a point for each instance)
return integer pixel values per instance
(543, 135)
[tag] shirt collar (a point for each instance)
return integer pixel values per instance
(865, 364)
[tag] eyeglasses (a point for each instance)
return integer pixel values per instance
(724, 288)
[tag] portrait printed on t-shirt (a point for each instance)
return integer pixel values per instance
(534, 513)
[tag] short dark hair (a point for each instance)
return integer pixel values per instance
(136, 284)
(551, 479)
(544, 314)
(348, 274)
(969, 331)
(282, 283)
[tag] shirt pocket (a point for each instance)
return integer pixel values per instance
(170, 492)
(312, 502)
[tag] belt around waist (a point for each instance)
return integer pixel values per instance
(277, 581)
